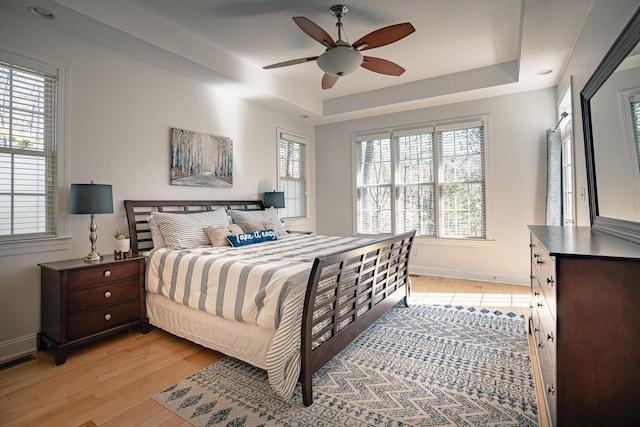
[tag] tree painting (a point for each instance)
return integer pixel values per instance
(202, 160)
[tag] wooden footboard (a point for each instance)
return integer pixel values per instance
(347, 292)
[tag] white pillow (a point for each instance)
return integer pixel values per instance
(243, 217)
(184, 231)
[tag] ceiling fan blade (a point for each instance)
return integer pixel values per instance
(384, 36)
(314, 31)
(382, 66)
(291, 62)
(328, 81)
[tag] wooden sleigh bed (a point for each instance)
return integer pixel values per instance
(344, 292)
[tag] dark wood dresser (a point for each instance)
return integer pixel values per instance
(585, 322)
(82, 301)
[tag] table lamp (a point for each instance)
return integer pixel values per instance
(91, 199)
(274, 198)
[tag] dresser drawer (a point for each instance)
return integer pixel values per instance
(543, 267)
(99, 320)
(545, 349)
(103, 296)
(103, 274)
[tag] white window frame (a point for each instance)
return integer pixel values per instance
(391, 133)
(296, 138)
(61, 239)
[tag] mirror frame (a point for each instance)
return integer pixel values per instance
(624, 44)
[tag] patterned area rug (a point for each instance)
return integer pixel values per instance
(423, 365)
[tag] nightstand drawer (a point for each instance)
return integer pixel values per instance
(103, 296)
(103, 274)
(100, 320)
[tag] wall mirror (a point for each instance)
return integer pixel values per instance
(611, 118)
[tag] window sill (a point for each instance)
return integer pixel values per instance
(463, 243)
(432, 241)
(20, 247)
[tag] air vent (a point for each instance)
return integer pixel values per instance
(16, 362)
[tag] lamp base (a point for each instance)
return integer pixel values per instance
(93, 256)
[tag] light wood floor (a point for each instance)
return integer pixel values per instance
(110, 382)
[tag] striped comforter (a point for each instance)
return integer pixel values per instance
(261, 284)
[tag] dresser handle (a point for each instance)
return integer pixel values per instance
(107, 273)
(540, 304)
(540, 345)
(107, 316)
(540, 261)
(550, 281)
(551, 390)
(107, 294)
(550, 336)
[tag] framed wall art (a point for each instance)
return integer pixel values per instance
(200, 159)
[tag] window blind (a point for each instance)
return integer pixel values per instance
(292, 167)
(635, 119)
(374, 184)
(461, 181)
(27, 153)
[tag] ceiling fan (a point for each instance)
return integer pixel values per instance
(342, 58)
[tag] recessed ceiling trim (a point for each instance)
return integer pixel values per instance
(479, 78)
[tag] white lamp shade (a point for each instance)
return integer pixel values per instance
(340, 60)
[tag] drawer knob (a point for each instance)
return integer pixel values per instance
(550, 336)
(551, 390)
(550, 281)
(540, 304)
(107, 316)
(540, 261)
(107, 273)
(107, 294)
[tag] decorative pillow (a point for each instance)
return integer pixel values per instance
(259, 225)
(218, 233)
(250, 238)
(242, 217)
(183, 231)
(156, 235)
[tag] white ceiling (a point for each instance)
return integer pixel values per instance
(462, 49)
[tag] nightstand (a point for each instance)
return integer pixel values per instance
(82, 301)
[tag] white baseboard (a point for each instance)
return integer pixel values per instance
(467, 275)
(18, 347)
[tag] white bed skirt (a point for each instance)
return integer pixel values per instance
(243, 341)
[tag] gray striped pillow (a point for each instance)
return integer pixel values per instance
(184, 231)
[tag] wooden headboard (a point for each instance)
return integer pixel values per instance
(139, 210)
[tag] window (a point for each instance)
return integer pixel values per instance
(292, 166)
(566, 132)
(630, 103)
(28, 164)
(430, 179)
(634, 103)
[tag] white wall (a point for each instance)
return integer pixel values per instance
(605, 22)
(516, 165)
(120, 112)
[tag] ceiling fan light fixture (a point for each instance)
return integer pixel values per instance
(340, 60)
